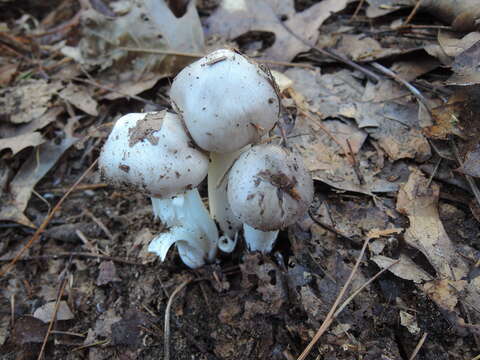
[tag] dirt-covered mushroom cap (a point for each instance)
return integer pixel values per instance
(152, 153)
(226, 100)
(269, 187)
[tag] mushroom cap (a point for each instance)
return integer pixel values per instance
(152, 153)
(269, 187)
(226, 101)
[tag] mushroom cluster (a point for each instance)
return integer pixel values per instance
(226, 104)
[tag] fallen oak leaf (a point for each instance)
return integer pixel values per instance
(42, 159)
(20, 142)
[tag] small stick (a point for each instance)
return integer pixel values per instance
(355, 164)
(328, 227)
(328, 320)
(420, 342)
(54, 316)
(405, 83)
(45, 222)
(333, 55)
(100, 224)
(357, 10)
(414, 12)
(166, 332)
(434, 172)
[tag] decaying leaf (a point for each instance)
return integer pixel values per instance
(465, 67)
(137, 24)
(410, 322)
(392, 123)
(46, 312)
(426, 233)
(107, 273)
(405, 268)
(20, 142)
(444, 292)
(26, 101)
(235, 18)
(32, 171)
(79, 97)
(471, 165)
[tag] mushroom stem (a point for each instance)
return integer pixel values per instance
(219, 206)
(258, 240)
(192, 229)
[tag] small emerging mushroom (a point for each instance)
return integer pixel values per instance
(227, 102)
(268, 190)
(152, 153)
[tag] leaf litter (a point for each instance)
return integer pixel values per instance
(385, 169)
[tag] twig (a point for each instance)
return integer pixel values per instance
(413, 13)
(54, 315)
(405, 83)
(333, 55)
(434, 172)
(76, 254)
(420, 342)
(100, 342)
(330, 316)
(328, 227)
(45, 222)
(166, 332)
(476, 357)
(199, 55)
(356, 169)
(357, 10)
(100, 224)
(470, 180)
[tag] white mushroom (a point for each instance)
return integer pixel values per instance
(153, 153)
(227, 102)
(268, 189)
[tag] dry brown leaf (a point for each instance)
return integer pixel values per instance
(465, 67)
(444, 292)
(79, 97)
(392, 123)
(32, 171)
(234, 18)
(471, 165)
(410, 322)
(46, 312)
(405, 269)
(148, 25)
(447, 118)
(7, 72)
(426, 233)
(450, 46)
(26, 101)
(20, 142)
(107, 273)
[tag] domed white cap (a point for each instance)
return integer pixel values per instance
(226, 101)
(152, 153)
(269, 188)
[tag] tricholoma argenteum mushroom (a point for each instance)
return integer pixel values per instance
(226, 103)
